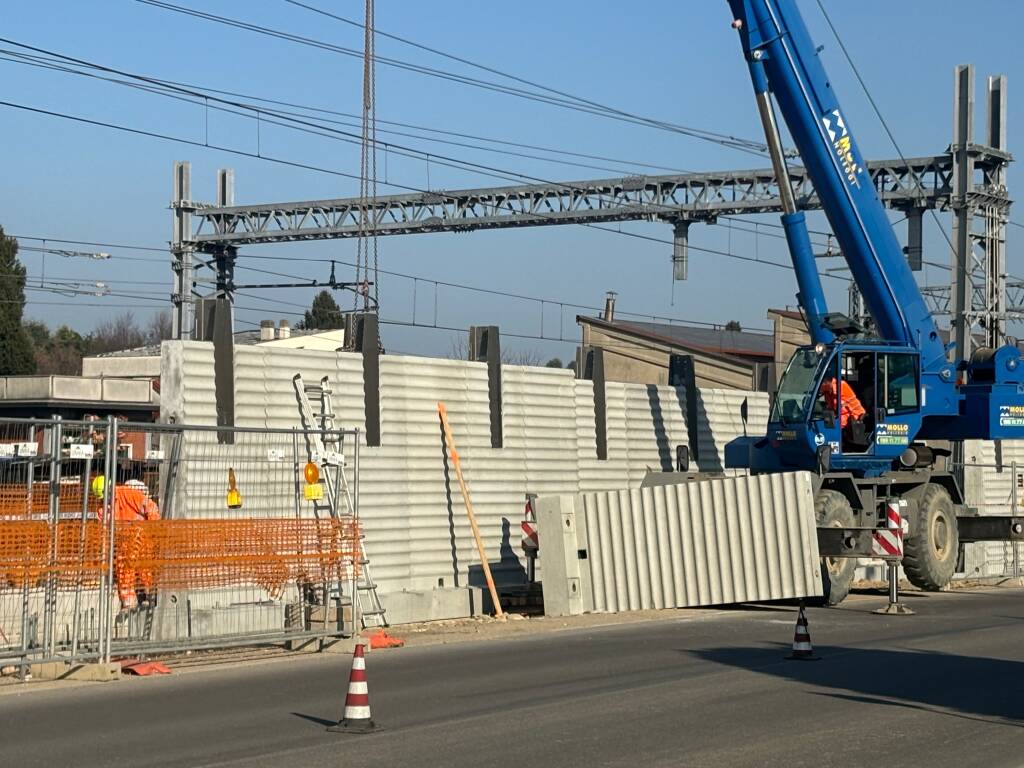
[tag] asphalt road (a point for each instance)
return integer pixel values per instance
(942, 688)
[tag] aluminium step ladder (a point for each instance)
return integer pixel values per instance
(325, 445)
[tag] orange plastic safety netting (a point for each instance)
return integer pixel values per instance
(180, 554)
(18, 502)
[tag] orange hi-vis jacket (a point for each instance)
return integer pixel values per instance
(851, 407)
(131, 504)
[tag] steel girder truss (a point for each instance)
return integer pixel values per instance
(921, 182)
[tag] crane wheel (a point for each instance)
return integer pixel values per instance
(832, 508)
(932, 544)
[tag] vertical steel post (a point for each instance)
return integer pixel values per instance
(109, 493)
(963, 172)
(25, 592)
(183, 313)
(996, 217)
(50, 598)
(915, 249)
(680, 249)
(357, 554)
(76, 619)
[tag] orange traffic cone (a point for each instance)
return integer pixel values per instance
(356, 718)
(802, 648)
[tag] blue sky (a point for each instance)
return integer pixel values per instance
(674, 61)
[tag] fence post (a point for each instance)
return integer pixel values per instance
(25, 591)
(109, 488)
(53, 514)
(76, 623)
(358, 549)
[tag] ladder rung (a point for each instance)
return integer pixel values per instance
(373, 612)
(367, 587)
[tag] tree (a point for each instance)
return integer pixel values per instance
(38, 332)
(159, 328)
(554, 362)
(460, 351)
(62, 354)
(119, 333)
(733, 325)
(324, 314)
(16, 355)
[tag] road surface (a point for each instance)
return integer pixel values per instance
(942, 688)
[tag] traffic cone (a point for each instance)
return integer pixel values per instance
(802, 648)
(356, 718)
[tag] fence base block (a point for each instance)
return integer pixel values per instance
(345, 645)
(92, 672)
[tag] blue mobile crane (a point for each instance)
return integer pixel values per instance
(909, 386)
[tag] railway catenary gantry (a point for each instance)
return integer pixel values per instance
(207, 236)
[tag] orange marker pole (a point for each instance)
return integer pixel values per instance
(450, 442)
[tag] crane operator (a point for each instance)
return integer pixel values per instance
(850, 409)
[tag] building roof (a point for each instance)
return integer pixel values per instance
(792, 314)
(696, 338)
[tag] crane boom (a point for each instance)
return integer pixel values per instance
(784, 61)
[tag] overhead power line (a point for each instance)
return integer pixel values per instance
(162, 86)
(392, 273)
(743, 145)
(309, 167)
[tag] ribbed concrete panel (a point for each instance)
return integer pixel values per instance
(412, 505)
(988, 487)
(718, 422)
(415, 521)
(715, 542)
(655, 424)
(613, 472)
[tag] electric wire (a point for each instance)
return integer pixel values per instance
(759, 146)
(743, 145)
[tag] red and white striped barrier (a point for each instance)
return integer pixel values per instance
(356, 718)
(530, 538)
(531, 541)
(888, 541)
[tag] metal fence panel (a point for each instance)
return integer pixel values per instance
(172, 567)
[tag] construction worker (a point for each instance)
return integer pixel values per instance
(131, 505)
(850, 407)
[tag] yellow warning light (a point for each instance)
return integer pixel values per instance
(311, 473)
(234, 498)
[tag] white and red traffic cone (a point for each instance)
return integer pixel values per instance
(356, 718)
(802, 648)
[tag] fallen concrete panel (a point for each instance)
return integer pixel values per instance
(714, 542)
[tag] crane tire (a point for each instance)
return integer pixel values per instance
(832, 508)
(932, 544)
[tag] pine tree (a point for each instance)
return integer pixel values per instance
(324, 315)
(16, 354)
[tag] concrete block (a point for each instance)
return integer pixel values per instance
(126, 390)
(124, 367)
(254, 618)
(76, 388)
(28, 387)
(433, 604)
(92, 672)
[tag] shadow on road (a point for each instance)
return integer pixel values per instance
(949, 684)
(315, 719)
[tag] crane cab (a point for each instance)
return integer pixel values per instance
(851, 406)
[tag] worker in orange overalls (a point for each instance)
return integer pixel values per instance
(850, 409)
(131, 505)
